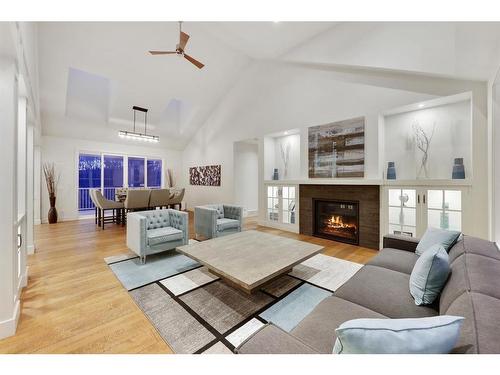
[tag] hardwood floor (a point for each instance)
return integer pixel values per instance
(74, 303)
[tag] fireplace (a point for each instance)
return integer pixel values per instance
(337, 220)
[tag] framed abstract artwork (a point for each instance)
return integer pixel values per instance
(337, 149)
(208, 175)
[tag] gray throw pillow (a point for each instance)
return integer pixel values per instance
(434, 335)
(429, 275)
(437, 236)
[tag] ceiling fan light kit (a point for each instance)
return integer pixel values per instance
(139, 136)
(179, 49)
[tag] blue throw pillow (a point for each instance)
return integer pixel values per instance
(434, 335)
(429, 275)
(436, 236)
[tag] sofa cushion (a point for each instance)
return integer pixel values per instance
(429, 275)
(483, 274)
(394, 259)
(162, 235)
(437, 236)
(384, 291)
(224, 224)
(471, 272)
(318, 328)
(456, 285)
(431, 335)
(271, 339)
(467, 341)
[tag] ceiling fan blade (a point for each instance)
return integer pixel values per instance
(183, 39)
(162, 52)
(194, 61)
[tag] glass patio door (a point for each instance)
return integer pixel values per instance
(89, 177)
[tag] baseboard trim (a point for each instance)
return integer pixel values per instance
(46, 221)
(38, 221)
(8, 327)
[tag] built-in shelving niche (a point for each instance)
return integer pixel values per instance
(447, 119)
(276, 147)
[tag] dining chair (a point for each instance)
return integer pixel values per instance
(104, 205)
(176, 199)
(159, 198)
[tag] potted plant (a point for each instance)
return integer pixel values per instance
(51, 180)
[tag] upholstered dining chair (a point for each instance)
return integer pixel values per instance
(216, 220)
(176, 198)
(159, 198)
(137, 199)
(104, 205)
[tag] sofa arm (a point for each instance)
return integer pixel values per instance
(180, 220)
(205, 221)
(136, 233)
(271, 339)
(400, 242)
(233, 212)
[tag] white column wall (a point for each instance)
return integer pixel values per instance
(9, 306)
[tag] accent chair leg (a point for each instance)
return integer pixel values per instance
(102, 220)
(95, 215)
(143, 259)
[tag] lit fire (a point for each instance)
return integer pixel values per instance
(336, 222)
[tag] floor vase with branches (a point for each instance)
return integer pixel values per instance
(51, 180)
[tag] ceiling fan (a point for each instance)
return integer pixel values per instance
(179, 49)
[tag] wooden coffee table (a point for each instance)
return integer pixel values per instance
(250, 259)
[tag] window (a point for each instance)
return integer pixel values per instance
(154, 173)
(89, 177)
(110, 172)
(113, 175)
(135, 172)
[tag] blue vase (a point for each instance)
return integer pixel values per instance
(458, 172)
(275, 174)
(391, 171)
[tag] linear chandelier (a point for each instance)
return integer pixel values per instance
(139, 136)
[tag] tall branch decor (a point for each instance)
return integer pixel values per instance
(52, 180)
(423, 143)
(285, 156)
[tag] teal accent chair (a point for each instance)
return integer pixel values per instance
(216, 220)
(155, 231)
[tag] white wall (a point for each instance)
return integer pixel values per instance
(451, 139)
(246, 176)
(64, 153)
(293, 140)
(272, 97)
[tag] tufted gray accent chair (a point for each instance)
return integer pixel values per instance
(215, 220)
(150, 232)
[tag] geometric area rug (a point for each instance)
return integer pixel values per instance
(195, 312)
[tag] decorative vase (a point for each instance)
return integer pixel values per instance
(52, 215)
(391, 171)
(275, 174)
(458, 172)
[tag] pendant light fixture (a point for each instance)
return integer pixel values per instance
(139, 136)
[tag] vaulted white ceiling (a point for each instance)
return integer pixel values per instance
(91, 74)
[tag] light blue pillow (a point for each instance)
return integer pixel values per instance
(434, 335)
(436, 236)
(429, 275)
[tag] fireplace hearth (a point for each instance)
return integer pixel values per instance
(337, 220)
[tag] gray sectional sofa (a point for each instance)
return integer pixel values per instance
(380, 290)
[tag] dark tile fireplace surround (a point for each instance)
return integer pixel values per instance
(345, 213)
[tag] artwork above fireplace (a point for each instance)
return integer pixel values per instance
(337, 220)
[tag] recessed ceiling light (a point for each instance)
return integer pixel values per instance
(421, 105)
(286, 133)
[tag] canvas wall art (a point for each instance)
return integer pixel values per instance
(208, 175)
(337, 149)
